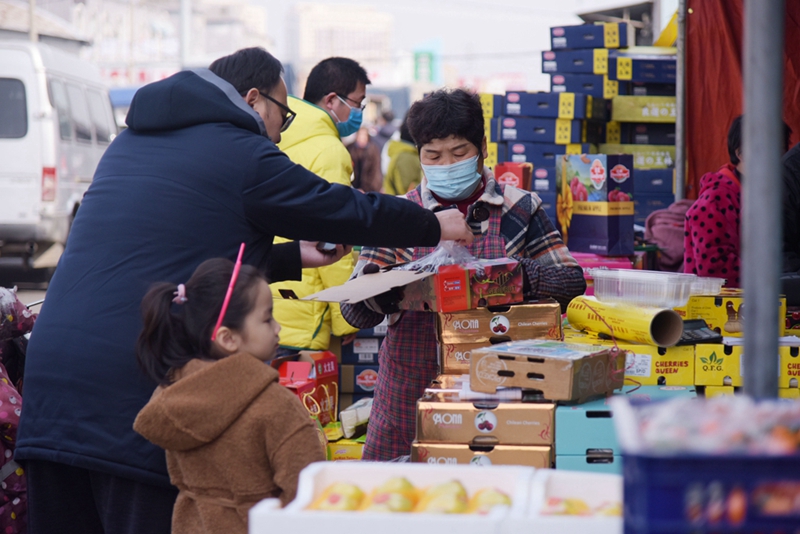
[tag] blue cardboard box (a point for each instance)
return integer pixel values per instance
(606, 35)
(547, 105)
(597, 192)
(358, 378)
(654, 182)
(548, 204)
(586, 61)
(591, 464)
(589, 428)
(558, 131)
(492, 105)
(491, 129)
(595, 85)
(644, 205)
(362, 350)
(643, 133)
(542, 154)
(544, 180)
(376, 331)
(643, 69)
(647, 89)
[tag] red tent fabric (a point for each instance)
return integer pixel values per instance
(714, 90)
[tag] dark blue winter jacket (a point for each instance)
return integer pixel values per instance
(190, 179)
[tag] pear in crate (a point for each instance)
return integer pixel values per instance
(340, 497)
(486, 499)
(447, 498)
(395, 495)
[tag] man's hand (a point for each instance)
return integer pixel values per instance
(311, 257)
(454, 227)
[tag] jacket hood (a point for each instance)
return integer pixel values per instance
(721, 180)
(190, 98)
(398, 146)
(206, 398)
(311, 121)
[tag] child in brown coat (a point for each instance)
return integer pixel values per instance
(232, 433)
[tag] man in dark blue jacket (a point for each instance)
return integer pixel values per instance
(195, 174)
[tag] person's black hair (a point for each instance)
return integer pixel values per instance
(248, 68)
(405, 133)
(338, 75)
(444, 113)
(175, 334)
(735, 138)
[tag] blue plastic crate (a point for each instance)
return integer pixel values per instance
(719, 494)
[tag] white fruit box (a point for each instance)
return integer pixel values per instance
(267, 517)
(595, 489)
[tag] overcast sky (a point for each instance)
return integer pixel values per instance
(479, 37)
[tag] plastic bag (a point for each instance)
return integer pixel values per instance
(15, 318)
(446, 253)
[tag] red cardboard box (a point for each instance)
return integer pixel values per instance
(516, 174)
(315, 381)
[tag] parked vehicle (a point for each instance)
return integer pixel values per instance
(55, 123)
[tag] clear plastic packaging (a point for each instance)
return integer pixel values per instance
(705, 285)
(642, 288)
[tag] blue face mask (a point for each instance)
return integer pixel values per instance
(453, 182)
(353, 122)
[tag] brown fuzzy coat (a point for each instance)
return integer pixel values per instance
(233, 436)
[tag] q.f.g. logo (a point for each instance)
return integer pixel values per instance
(712, 363)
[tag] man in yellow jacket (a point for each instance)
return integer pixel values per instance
(330, 109)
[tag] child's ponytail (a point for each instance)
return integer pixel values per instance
(163, 342)
(178, 320)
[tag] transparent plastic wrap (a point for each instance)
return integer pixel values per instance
(446, 253)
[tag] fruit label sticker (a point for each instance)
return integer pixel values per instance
(624, 68)
(638, 364)
(620, 173)
(485, 422)
(597, 174)
(563, 131)
(367, 379)
(566, 106)
(611, 35)
(480, 460)
(600, 61)
(499, 325)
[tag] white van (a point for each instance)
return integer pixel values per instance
(55, 124)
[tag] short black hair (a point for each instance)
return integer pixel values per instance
(405, 133)
(444, 113)
(735, 138)
(338, 75)
(248, 68)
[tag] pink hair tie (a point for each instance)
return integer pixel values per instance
(180, 295)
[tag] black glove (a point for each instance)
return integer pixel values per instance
(386, 303)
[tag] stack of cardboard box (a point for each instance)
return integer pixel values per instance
(359, 365)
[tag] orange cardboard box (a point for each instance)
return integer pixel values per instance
(454, 358)
(530, 320)
(561, 371)
(453, 454)
(442, 418)
(726, 312)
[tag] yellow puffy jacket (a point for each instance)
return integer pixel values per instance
(313, 142)
(404, 172)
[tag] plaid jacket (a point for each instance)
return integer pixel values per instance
(516, 228)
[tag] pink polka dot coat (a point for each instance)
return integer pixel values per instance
(711, 230)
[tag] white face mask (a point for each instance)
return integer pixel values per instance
(453, 182)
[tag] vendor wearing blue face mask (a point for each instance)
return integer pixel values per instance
(447, 128)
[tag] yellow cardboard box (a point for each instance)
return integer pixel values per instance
(725, 312)
(658, 366)
(644, 156)
(788, 393)
(644, 109)
(345, 449)
(790, 367)
(718, 365)
(720, 391)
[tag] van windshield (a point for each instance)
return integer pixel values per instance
(13, 109)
